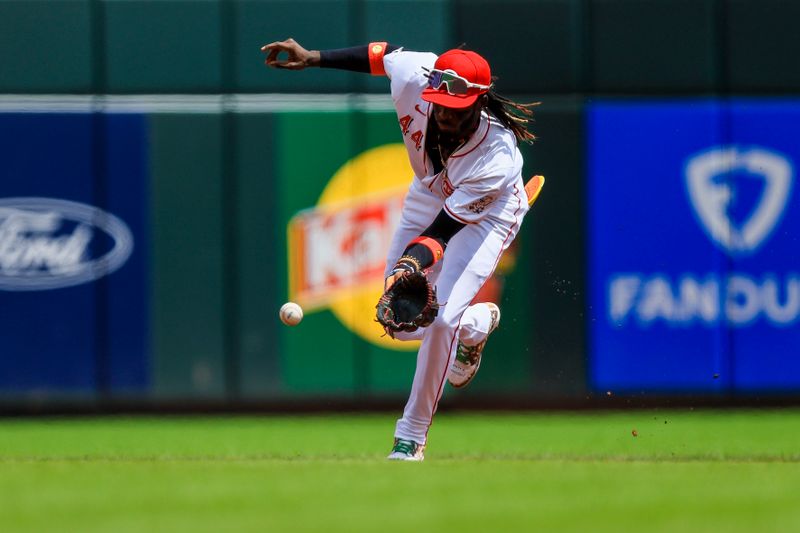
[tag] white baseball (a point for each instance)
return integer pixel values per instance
(291, 314)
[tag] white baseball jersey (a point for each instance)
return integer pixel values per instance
(481, 186)
(479, 172)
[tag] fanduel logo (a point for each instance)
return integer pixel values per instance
(47, 243)
(714, 183)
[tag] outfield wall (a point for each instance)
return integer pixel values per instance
(211, 201)
(205, 191)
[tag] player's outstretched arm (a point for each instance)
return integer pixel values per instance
(367, 59)
(297, 58)
(427, 249)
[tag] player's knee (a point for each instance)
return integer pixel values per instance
(444, 323)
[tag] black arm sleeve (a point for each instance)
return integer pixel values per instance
(355, 58)
(442, 230)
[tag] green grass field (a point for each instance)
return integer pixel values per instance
(685, 471)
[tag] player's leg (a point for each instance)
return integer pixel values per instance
(433, 358)
(481, 319)
(478, 322)
(471, 258)
(469, 261)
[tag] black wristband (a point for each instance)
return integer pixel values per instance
(421, 254)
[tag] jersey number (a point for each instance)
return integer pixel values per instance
(417, 138)
(405, 126)
(405, 123)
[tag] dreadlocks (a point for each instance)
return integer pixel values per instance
(516, 117)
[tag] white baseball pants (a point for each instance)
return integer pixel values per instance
(470, 259)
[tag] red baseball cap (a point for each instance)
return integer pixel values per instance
(470, 66)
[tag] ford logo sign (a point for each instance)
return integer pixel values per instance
(46, 243)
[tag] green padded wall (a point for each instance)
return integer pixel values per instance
(156, 46)
(331, 24)
(316, 24)
(260, 258)
(187, 269)
(225, 184)
(554, 251)
(46, 46)
(653, 46)
(532, 45)
(763, 45)
(431, 30)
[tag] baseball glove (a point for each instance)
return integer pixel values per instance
(410, 303)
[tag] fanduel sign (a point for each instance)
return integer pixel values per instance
(47, 243)
(737, 298)
(694, 245)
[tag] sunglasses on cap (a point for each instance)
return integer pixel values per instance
(453, 83)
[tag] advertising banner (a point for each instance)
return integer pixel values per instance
(340, 209)
(694, 227)
(72, 253)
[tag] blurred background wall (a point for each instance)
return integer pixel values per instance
(162, 194)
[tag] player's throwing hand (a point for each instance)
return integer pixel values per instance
(298, 57)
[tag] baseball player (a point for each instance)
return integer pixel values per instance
(463, 209)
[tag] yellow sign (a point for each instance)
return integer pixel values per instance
(337, 249)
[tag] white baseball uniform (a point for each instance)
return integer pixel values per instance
(481, 186)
